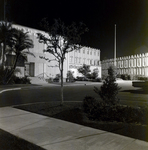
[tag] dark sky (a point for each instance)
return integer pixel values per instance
(100, 16)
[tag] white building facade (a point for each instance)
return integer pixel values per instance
(134, 65)
(38, 67)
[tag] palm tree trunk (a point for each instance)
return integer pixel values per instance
(13, 69)
(3, 55)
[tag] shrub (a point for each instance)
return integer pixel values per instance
(70, 77)
(50, 80)
(101, 111)
(97, 80)
(84, 70)
(109, 89)
(4, 75)
(20, 80)
(125, 77)
(143, 78)
(57, 78)
(89, 104)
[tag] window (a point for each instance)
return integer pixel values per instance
(71, 59)
(83, 60)
(90, 62)
(98, 62)
(94, 52)
(87, 51)
(75, 60)
(79, 60)
(91, 52)
(83, 51)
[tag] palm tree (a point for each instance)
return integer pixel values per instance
(5, 32)
(20, 47)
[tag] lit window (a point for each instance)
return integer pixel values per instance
(71, 59)
(83, 51)
(87, 51)
(94, 52)
(90, 62)
(75, 60)
(79, 60)
(83, 60)
(98, 62)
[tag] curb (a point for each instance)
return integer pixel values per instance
(9, 90)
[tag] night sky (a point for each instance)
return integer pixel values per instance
(100, 16)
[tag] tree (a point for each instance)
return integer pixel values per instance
(85, 70)
(5, 32)
(20, 43)
(61, 39)
(70, 76)
(94, 74)
(109, 89)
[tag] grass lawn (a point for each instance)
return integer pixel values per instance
(73, 112)
(11, 142)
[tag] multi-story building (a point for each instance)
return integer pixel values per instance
(36, 66)
(134, 65)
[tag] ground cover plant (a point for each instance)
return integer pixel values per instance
(101, 111)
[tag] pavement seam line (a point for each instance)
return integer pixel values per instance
(91, 135)
(75, 138)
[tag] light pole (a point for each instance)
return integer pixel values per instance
(4, 10)
(115, 47)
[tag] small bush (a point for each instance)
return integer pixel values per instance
(50, 80)
(20, 80)
(143, 78)
(70, 77)
(89, 104)
(125, 77)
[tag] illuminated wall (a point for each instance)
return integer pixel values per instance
(40, 67)
(134, 65)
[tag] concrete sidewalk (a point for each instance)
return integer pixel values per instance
(55, 134)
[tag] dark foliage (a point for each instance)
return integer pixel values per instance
(109, 89)
(101, 111)
(125, 77)
(85, 70)
(21, 80)
(143, 78)
(89, 104)
(70, 77)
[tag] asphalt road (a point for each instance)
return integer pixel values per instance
(32, 94)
